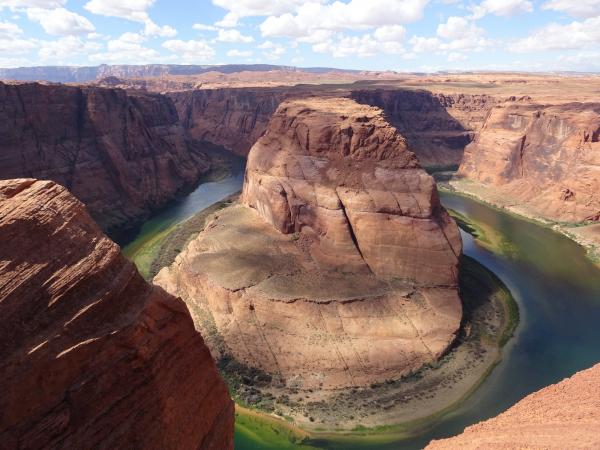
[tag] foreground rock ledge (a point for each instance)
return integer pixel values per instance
(563, 415)
(91, 356)
(340, 269)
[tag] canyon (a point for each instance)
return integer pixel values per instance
(338, 268)
(337, 225)
(77, 321)
(123, 154)
(563, 415)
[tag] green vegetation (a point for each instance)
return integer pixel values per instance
(159, 249)
(254, 430)
(485, 236)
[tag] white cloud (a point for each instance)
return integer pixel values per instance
(18, 4)
(151, 29)
(17, 46)
(60, 22)
(338, 16)
(246, 8)
(190, 51)
(575, 35)
(455, 57)
(272, 50)
(456, 34)
(577, 8)
(389, 33)
(502, 8)
(127, 49)
(134, 10)
(63, 50)
(365, 45)
(229, 21)
(9, 30)
(204, 27)
(239, 53)
(233, 35)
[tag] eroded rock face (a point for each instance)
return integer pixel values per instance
(338, 170)
(234, 118)
(563, 415)
(545, 159)
(124, 155)
(340, 267)
(436, 126)
(91, 356)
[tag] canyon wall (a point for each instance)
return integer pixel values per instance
(340, 266)
(562, 415)
(543, 159)
(234, 118)
(91, 356)
(437, 127)
(122, 154)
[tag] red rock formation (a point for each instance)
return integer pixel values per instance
(124, 155)
(234, 118)
(563, 415)
(341, 171)
(437, 126)
(543, 159)
(91, 356)
(343, 270)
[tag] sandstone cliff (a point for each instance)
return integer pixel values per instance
(436, 126)
(91, 356)
(543, 159)
(234, 118)
(341, 267)
(563, 415)
(124, 155)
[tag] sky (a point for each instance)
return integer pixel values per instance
(400, 35)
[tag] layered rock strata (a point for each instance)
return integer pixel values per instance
(436, 126)
(544, 160)
(234, 118)
(340, 267)
(123, 154)
(91, 356)
(563, 415)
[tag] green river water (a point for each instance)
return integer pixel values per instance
(556, 286)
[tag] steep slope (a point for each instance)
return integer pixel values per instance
(234, 118)
(563, 415)
(437, 127)
(543, 160)
(91, 356)
(340, 268)
(124, 155)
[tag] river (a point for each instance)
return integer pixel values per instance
(556, 286)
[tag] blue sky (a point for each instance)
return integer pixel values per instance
(402, 35)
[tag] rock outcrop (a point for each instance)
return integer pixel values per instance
(436, 126)
(123, 154)
(91, 356)
(544, 160)
(563, 415)
(340, 267)
(234, 118)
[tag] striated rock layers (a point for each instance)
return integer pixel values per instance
(232, 117)
(91, 356)
(436, 126)
(544, 159)
(563, 415)
(340, 267)
(124, 155)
